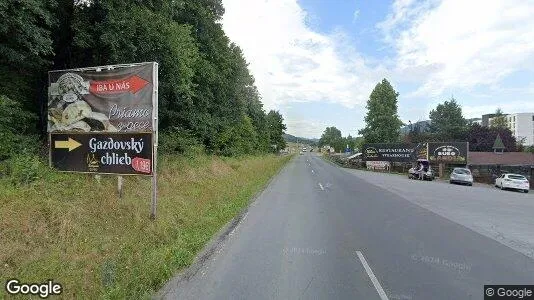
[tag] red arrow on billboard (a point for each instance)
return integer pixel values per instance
(131, 84)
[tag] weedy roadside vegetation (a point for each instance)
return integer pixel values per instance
(76, 231)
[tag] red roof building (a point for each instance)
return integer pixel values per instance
(503, 159)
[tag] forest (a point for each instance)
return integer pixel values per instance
(208, 101)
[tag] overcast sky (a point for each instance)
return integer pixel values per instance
(317, 61)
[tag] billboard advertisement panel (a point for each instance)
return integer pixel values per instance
(448, 152)
(103, 153)
(396, 152)
(111, 99)
(103, 119)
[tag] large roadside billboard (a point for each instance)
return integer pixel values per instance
(103, 119)
(448, 152)
(437, 152)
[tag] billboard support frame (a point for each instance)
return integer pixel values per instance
(153, 133)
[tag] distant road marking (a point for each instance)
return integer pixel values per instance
(313, 171)
(372, 276)
(321, 186)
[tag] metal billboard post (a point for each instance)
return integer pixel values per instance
(154, 201)
(119, 185)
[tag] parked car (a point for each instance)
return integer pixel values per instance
(512, 181)
(422, 170)
(462, 176)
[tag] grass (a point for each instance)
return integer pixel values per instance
(69, 228)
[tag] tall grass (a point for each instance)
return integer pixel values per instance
(76, 231)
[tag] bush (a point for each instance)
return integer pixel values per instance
(25, 168)
(12, 144)
(179, 141)
(16, 129)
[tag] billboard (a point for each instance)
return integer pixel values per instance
(103, 119)
(112, 99)
(397, 152)
(421, 151)
(103, 153)
(438, 152)
(448, 152)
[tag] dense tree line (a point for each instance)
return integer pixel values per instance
(207, 95)
(447, 123)
(332, 137)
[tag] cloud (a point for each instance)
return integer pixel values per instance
(355, 15)
(457, 44)
(511, 107)
(305, 128)
(293, 63)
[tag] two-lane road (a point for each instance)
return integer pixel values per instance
(320, 232)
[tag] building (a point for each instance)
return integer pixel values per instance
(486, 119)
(521, 125)
(486, 166)
(475, 121)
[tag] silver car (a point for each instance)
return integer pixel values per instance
(462, 176)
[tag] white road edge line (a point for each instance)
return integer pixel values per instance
(372, 276)
(321, 186)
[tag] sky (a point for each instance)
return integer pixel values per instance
(317, 61)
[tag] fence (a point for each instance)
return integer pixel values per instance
(488, 173)
(481, 173)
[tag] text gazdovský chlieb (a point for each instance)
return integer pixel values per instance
(111, 146)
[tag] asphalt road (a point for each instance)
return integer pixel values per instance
(321, 232)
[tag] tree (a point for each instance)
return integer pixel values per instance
(482, 138)
(332, 137)
(499, 120)
(26, 50)
(520, 146)
(358, 143)
(350, 142)
(447, 121)
(276, 128)
(207, 97)
(382, 121)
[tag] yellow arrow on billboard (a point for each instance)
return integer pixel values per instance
(68, 144)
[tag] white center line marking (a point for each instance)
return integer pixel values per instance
(321, 186)
(372, 276)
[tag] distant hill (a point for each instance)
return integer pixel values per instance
(294, 139)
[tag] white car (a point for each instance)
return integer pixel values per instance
(461, 175)
(512, 181)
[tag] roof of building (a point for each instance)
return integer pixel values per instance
(505, 158)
